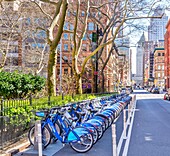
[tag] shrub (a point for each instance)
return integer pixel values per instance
(19, 85)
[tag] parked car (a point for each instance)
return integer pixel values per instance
(129, 89)
(155, 90)
(166, 96)
(150, 89)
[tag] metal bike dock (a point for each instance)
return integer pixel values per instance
(37, 149)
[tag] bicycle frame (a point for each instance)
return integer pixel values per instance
(64, 138)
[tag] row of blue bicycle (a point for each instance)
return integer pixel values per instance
(80, 124)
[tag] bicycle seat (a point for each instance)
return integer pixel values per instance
(42, 113)
(80, 113)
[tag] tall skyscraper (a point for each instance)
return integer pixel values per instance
(140, 61)
(156, 29)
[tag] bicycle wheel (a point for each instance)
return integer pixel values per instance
(93, 129)
(85, 141)
(46, 136)
(98, 126)
(59, 130)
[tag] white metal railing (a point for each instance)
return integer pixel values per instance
(127, 124)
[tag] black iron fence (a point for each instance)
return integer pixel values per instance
(12, 122)
(15, 119)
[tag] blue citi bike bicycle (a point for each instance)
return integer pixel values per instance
(79, 138)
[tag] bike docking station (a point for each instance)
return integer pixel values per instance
(38, 149)
(128, 117)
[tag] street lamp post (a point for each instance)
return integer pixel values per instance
(96, 63)
(95, 37)
(61, 67)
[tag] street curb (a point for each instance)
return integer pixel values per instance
(17, 149)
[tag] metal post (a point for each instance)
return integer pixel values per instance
(1, 123)
(124, 123)
(129, 113)
(61, 67)
(49, 101)
(38, 138)
(30, 99)
(62, 94)
(114, 140)
(1, 102)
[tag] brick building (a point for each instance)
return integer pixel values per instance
(159, 59)
(167, 55)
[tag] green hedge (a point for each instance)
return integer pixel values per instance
(19, 85)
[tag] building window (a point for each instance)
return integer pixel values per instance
(58, 71)
(15, 61)
(68, 13)
(91, 26)
(65, 71)
(66, 25)
(159, 54)
(84, 47)
(159, 67)
(65, 47)
(71, 27)
(90, 36)
(74, 13)
(65, 36)
(163, 54)
(83, 13)
(65, 59)
(27, 46)
(59, 47)
(163, 67)
(70, 59)
(85, 37)
(71, 37)
(159, 75)
(71, 46)
(58, 59)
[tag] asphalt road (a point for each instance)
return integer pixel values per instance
(151, 128)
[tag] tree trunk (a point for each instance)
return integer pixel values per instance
(51, 78)
(78, 84)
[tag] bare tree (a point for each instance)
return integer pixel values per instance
(116, 15)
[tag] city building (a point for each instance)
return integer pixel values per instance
(167, 56)
(156, 29)
(159, 60)
(148, 48)
(151, 65)
(140, 61)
